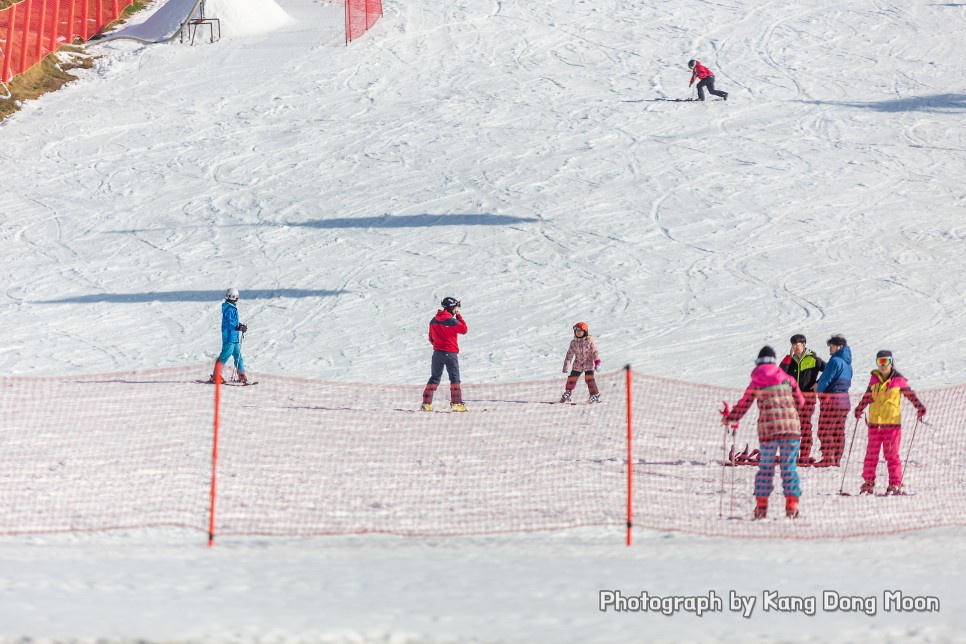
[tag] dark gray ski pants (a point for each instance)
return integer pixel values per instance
(709, 83)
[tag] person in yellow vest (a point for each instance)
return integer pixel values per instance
(882, 397)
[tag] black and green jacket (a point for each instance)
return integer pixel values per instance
(804, 370)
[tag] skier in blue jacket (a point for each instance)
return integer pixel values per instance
(231, 334)
(833, 396)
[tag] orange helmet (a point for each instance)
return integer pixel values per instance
(581, 326)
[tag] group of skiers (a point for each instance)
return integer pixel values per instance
(444, 331)
(786, 394)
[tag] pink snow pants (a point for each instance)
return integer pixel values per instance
(886, 438)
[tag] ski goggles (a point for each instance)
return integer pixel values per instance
(884, 362)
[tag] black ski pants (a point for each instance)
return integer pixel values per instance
(709, 83)
(450, 362)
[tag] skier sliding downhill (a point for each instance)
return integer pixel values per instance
(585, 355)
(706, 76)
(231, 334)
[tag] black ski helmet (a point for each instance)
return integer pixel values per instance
(691, 63)
(450, 303)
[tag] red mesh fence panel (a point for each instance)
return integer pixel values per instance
(305, 457)
(31, 29)
(360, 16)
(102, 452)
(681, 484)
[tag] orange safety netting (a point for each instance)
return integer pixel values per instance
(31, 29)
(309, 457)
(360, 16)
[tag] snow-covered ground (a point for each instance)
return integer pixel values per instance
(515, 155)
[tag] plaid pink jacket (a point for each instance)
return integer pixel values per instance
(584, 352)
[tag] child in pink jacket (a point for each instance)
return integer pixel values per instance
(585, 355)
(779, 430)
(883, 396)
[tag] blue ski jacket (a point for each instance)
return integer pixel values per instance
(837, 377)
(229, 322)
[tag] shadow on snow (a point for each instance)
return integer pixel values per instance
(935, 103)
(189, 296)
(381, 221)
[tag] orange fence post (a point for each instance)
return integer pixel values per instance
(214, 457)
(24, 38)
(630, 460)
(40, 30)
(71, 20)
(55, 27)
(7, 73)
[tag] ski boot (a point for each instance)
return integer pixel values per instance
(753, 458)
(454, 406)
(894, 490)
(867, 488)
(593, 399)
(566, 397)
(761, 510)
(725, 97)
(242, 378)
(426, 407)
(791, 507)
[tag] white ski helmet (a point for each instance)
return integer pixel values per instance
(231, 295)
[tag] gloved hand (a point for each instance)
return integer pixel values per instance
(565, 370)
(596, 365)
(858, 412)
(921, 414)
(242, 327)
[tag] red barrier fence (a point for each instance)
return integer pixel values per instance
(31, 29)
(305, 457)
(360, 15)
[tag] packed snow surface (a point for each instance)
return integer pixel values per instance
(521, 157)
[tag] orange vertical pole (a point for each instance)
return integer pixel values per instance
(7, 73)
(214, 457)
(40, 33)
(85, 16)
(55, 26)
(26, 35)
(70, 21)
(630, 465)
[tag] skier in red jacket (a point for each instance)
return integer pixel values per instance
(444, 331)
(706, 76)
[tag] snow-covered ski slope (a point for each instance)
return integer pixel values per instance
(511, 154)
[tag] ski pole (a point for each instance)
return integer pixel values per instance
(725, 459)
(912, 441)
(845, 470)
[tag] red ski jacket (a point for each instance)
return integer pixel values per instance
(444, 329)
(700, 71)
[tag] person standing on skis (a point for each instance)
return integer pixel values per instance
(231, 334)
(883, 395)
(833, 401)
(705, 79)
(779, 432)
(444, 331)
(804, 366)
(585, 355)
